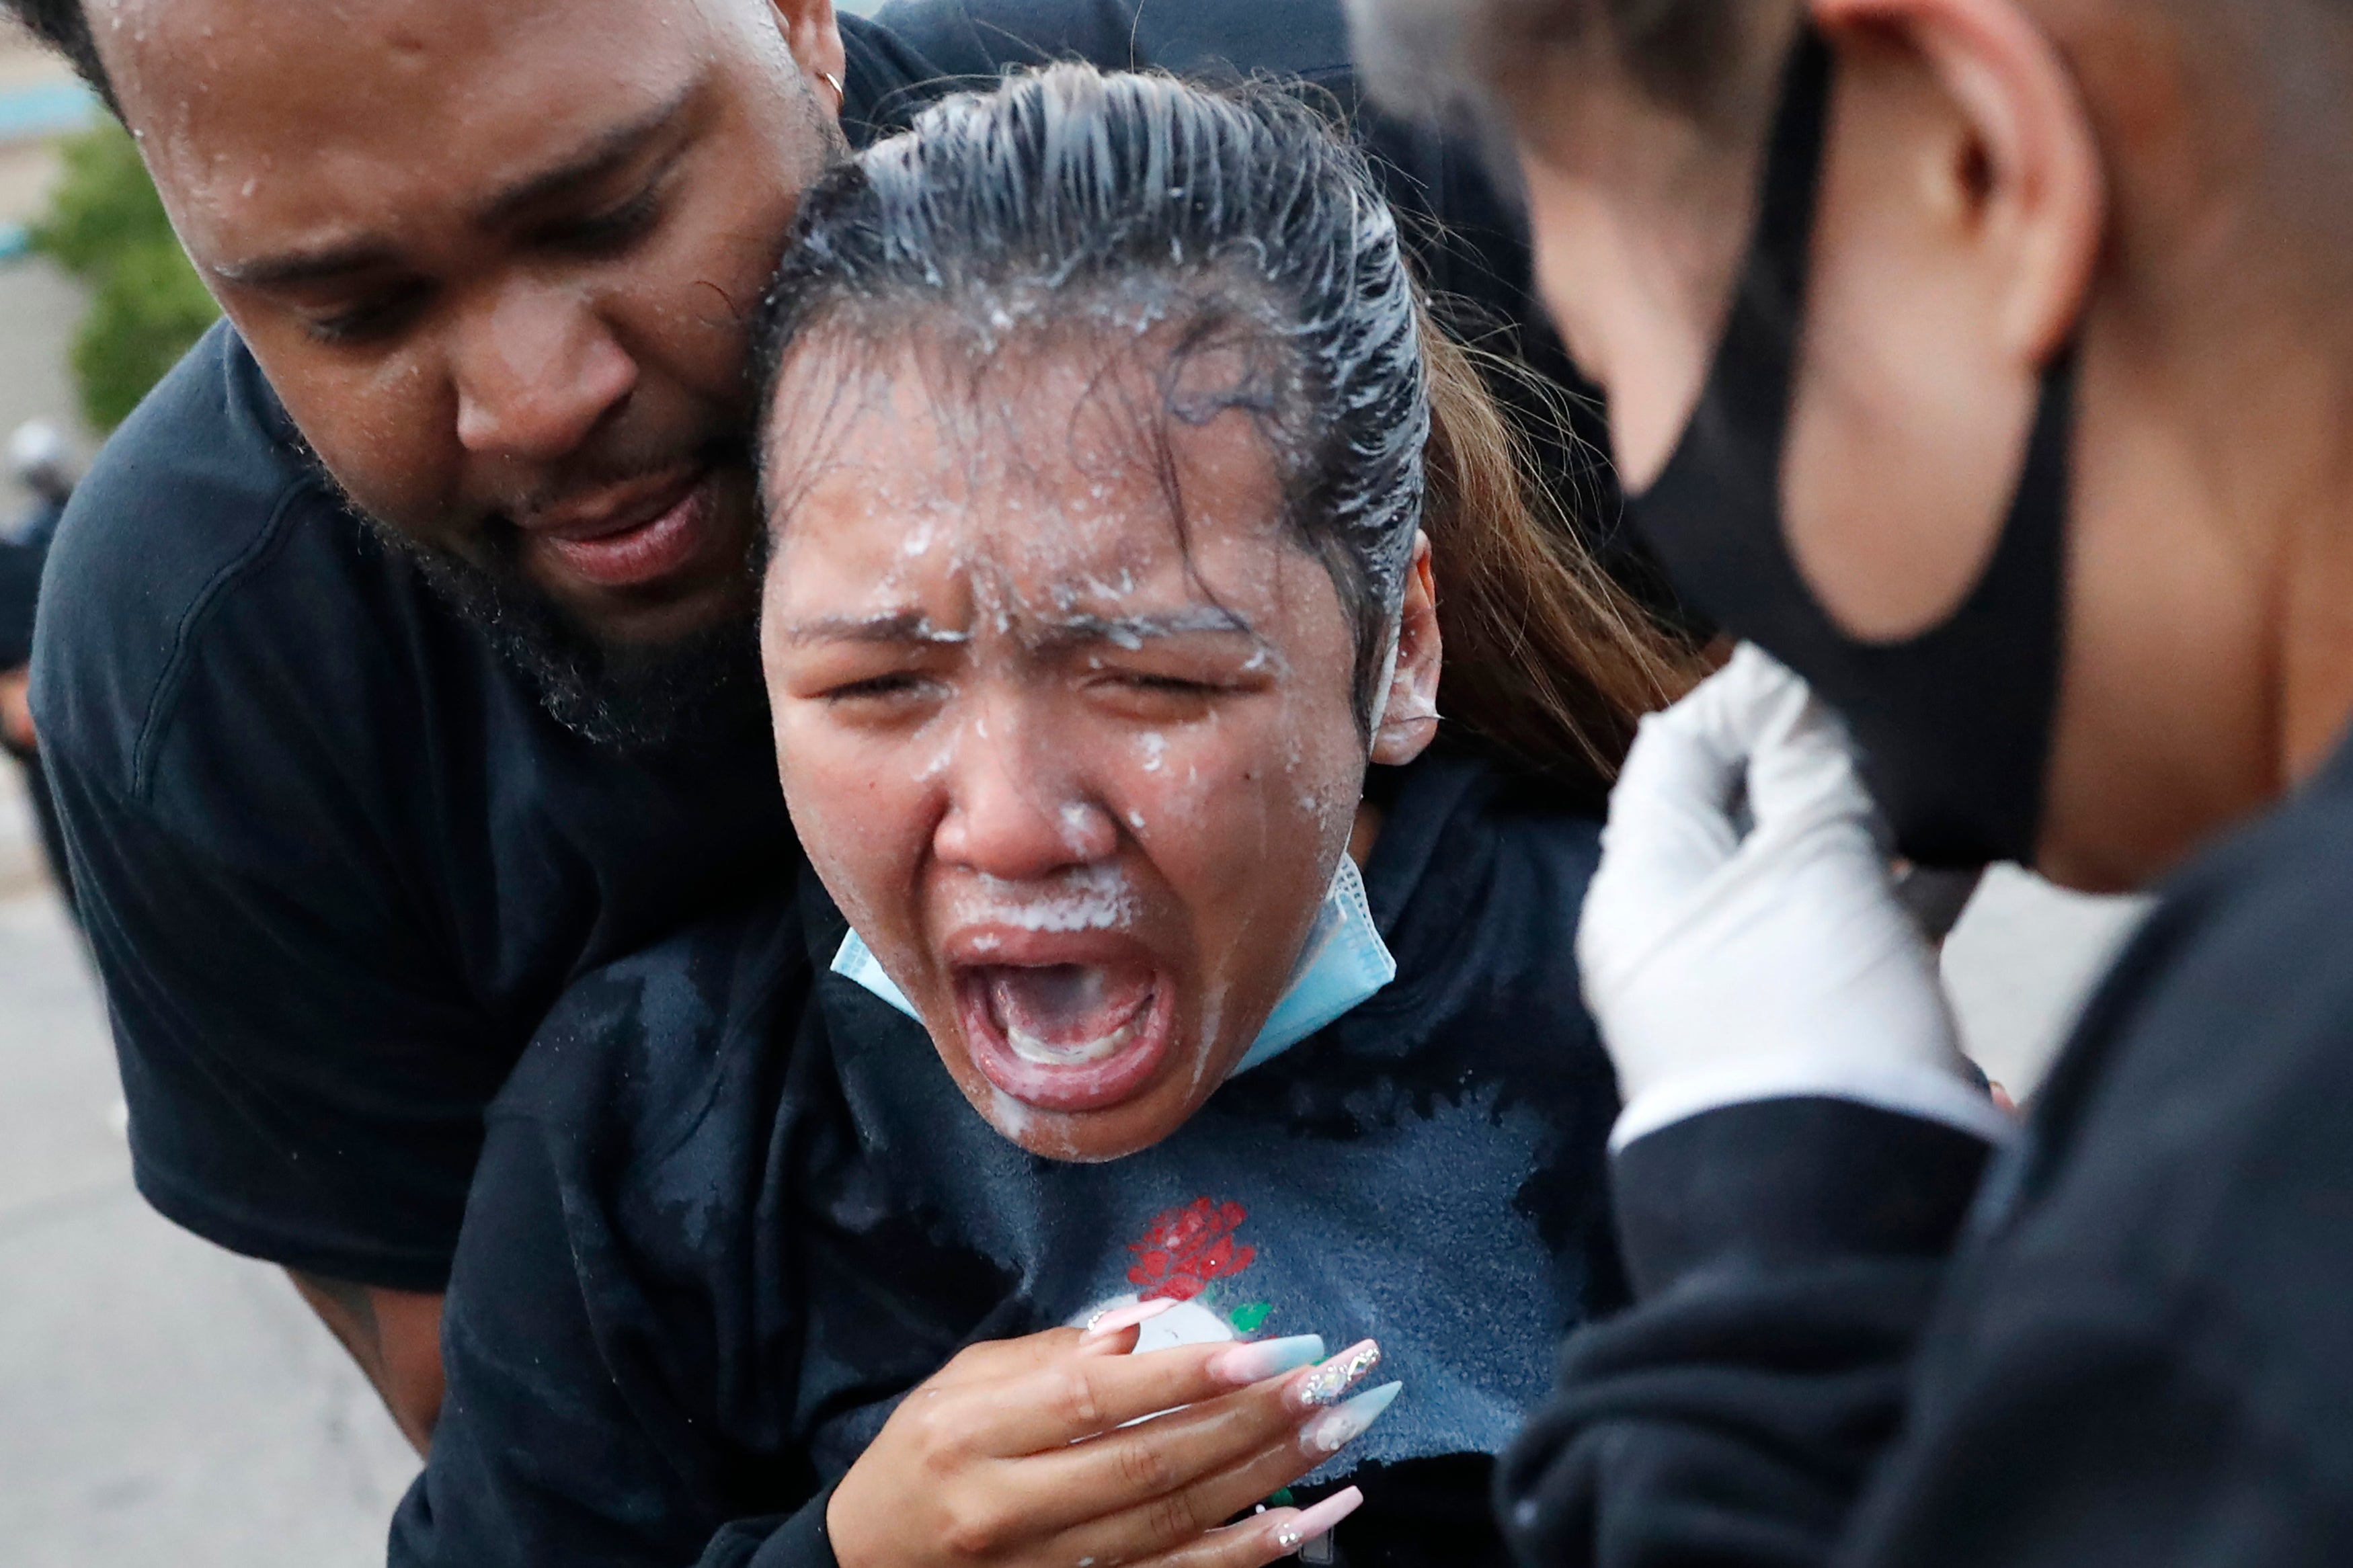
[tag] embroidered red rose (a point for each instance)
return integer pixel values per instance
(1187, 1247)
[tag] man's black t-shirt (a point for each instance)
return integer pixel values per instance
(334, 859)
(718, 1231)
(336, 862)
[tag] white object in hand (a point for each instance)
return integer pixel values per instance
(1726, 967)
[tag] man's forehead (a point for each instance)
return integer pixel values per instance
(223, 91)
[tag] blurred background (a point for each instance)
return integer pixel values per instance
(159, 1398)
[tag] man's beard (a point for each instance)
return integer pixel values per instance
(702, 689)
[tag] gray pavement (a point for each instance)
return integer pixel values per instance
(160, 1399)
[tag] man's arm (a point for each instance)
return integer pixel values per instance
(395, 1337)
(248, 1145)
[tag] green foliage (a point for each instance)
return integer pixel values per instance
(106, 225)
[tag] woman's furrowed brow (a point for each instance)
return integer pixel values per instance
(1135, 631)
(902, 625)
(1064, 632)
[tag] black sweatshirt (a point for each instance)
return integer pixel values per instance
(716, 1233)
(2140, 1353)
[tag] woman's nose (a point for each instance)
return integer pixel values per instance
(1016, 811)
(536, 370)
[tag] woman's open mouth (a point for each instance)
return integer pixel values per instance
(1066, 1036)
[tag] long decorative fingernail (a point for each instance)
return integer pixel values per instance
(1325, 1384)
(1110, 1320)
(1262, 1359)
(1344, 1424)
(1319, 1520)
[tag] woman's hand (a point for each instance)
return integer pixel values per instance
(1019, 1453)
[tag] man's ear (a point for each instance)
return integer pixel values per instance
(1407, 719)
(813, 34)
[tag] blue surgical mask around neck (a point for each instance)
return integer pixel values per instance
(1344, 963)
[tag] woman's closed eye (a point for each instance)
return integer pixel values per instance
(1175, 684)
(1163, 696)
(891, 686)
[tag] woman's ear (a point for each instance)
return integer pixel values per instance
(1407, 721)
(813, 34)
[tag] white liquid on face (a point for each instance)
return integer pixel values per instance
(1091, 897)
(1007, 1115)
(1213, 1006)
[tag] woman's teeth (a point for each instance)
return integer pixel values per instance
(1047, 1053)
(1068, 1015)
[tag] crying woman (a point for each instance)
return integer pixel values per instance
(1163, 1129)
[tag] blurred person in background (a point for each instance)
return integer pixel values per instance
(42, 460)
(398, 664)
(1987, 361)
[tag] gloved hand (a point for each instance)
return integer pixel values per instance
(1725, 966)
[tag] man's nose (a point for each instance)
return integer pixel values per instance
(1017, 809)
(535, 370)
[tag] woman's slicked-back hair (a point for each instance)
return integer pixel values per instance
(1228, 217)
(1078, 205)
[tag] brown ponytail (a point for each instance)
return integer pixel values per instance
(1548, 664)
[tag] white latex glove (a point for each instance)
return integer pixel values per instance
(1725, 969)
